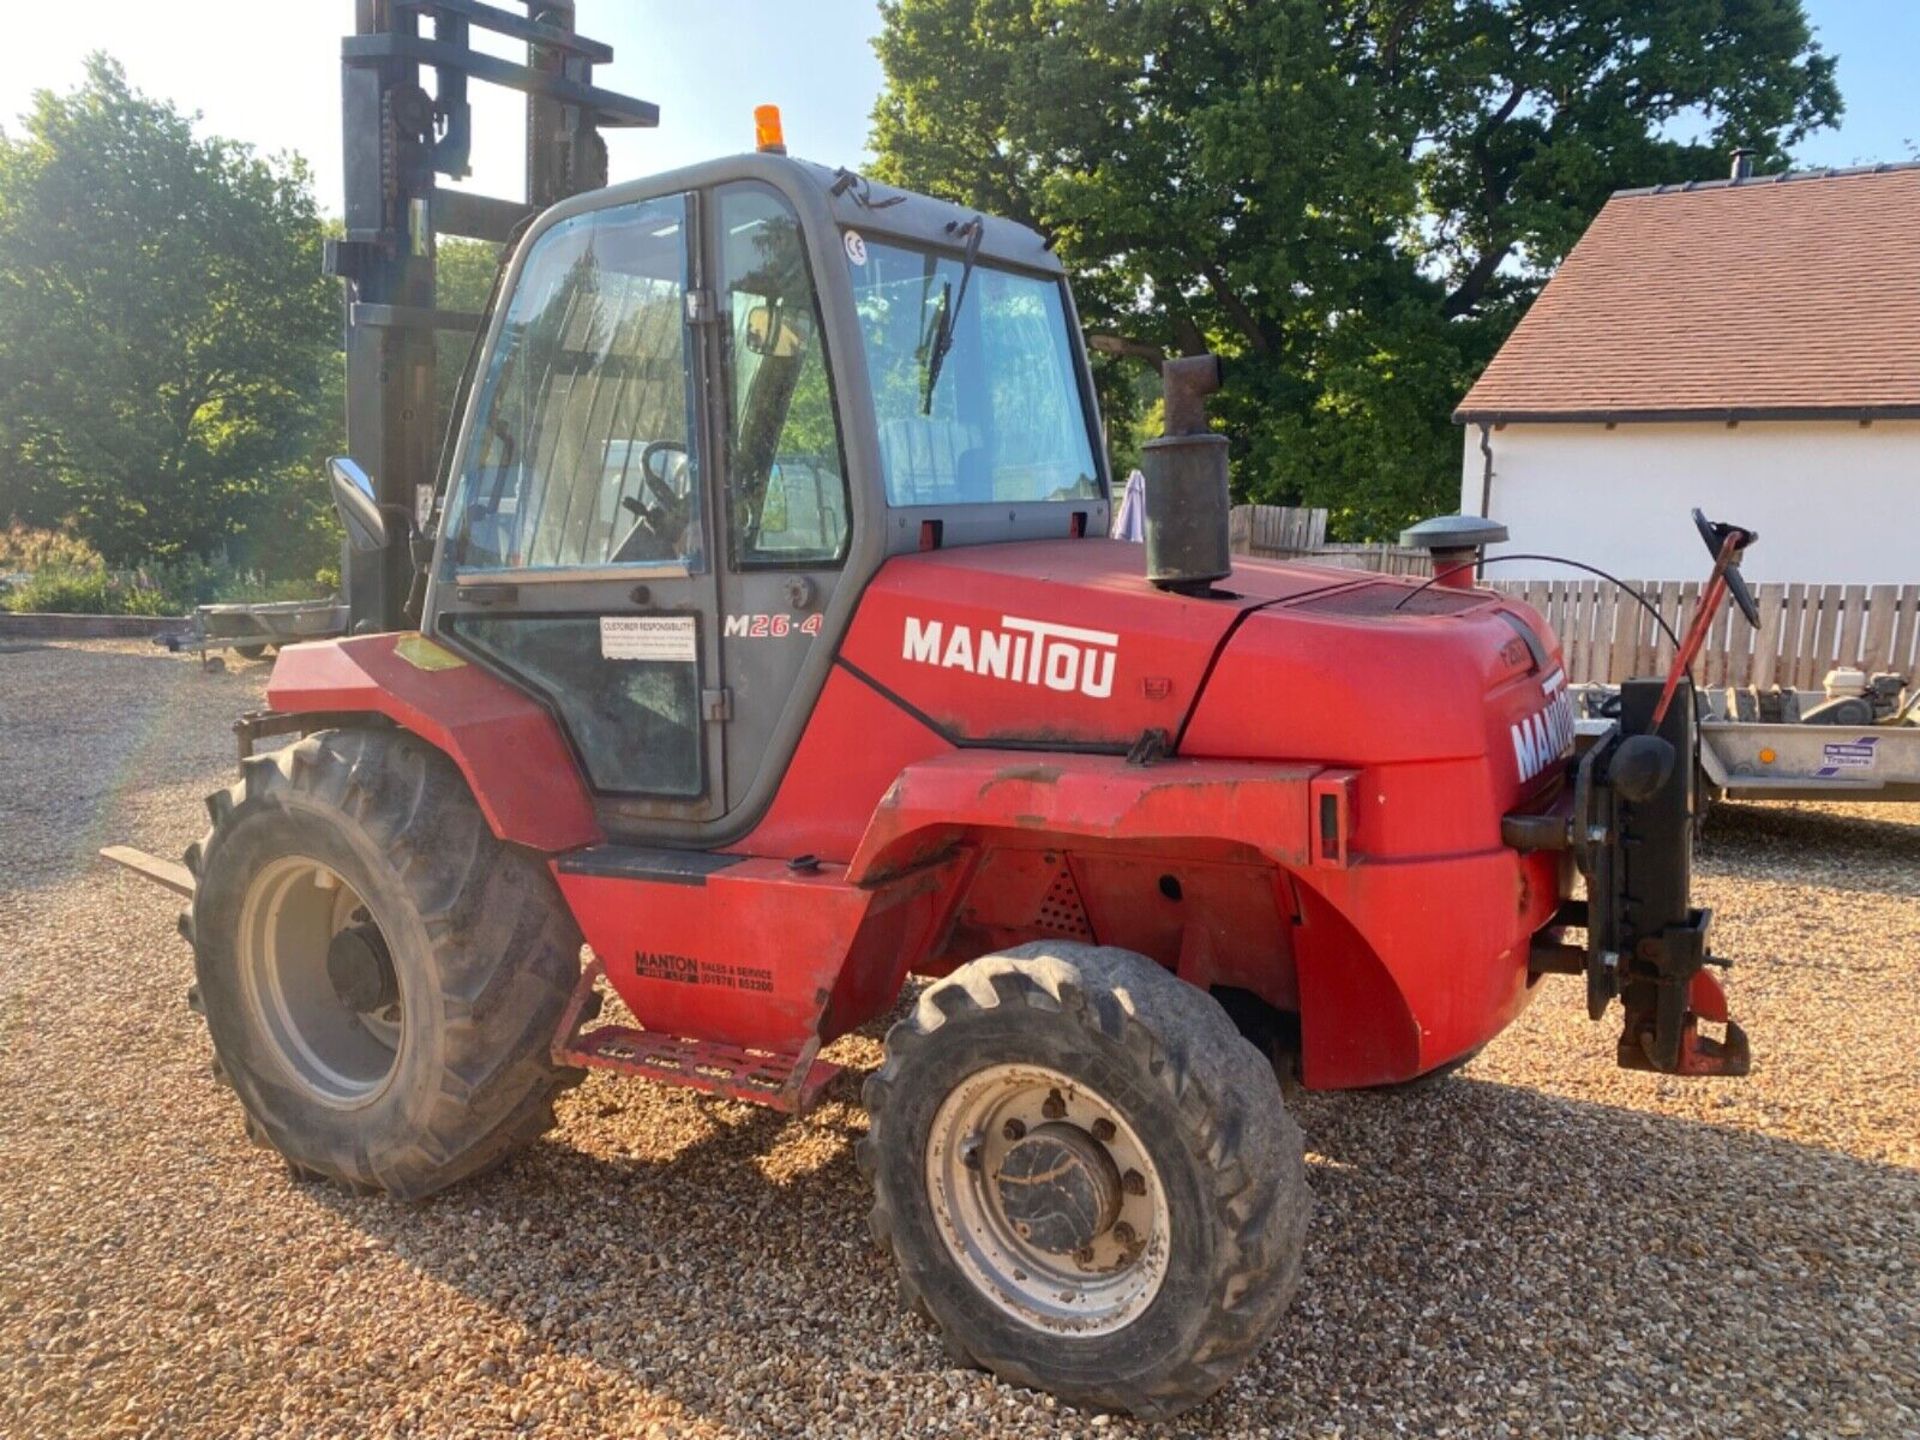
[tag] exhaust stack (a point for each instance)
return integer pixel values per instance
(1186, 484)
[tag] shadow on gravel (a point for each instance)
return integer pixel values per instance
(1890, 833)
(1561, 1254)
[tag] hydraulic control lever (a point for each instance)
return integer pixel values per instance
(1726, 543)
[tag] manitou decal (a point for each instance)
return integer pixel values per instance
(1025, 652)
(1547, 734)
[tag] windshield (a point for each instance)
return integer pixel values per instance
(1005, 420)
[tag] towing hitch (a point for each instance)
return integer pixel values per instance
(1647, 944)
(1635, 807)
(1667, 996)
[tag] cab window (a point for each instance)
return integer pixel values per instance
(975, 383)
(584, 453)
(786, 479)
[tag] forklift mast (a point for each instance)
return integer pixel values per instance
(398, 139)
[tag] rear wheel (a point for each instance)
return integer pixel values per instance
(1086, 1176)
(250, 652)
(381, 976)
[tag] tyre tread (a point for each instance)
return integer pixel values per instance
(501, 943)
(1251, 1148)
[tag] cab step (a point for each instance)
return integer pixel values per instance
(789, 1083)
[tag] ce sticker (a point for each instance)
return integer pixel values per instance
(856, 248)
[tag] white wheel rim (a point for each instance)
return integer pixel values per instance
(293, 909)
(979, 1144)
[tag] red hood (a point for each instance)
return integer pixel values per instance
(1065, 643)
(1060, 642)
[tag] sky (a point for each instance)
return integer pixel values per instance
(276, 83)
(706, 63)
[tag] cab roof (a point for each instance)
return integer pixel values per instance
(854, 201)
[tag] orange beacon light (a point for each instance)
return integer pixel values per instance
(767, 136)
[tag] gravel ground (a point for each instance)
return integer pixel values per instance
(1544, 1245)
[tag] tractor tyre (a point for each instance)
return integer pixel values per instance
(1086, 1177)
(250, 652)
(381, 976)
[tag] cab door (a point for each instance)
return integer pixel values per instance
(580, 540)
(788, 521)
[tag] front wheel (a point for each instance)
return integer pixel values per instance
(1087, 1177)
(382, 977)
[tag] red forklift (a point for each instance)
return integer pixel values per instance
(757, 629)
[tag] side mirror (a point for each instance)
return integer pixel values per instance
(359, 506)
(778, 330)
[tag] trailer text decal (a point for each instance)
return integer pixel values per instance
(1846, 755)
(1026, 652)
(1546, 734)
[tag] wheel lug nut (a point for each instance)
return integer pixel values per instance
(1123, 1235)
(970, 1154)
(1134, 1183)
(1055, 1108)
(1013, 1129)
(1103, 1131)
(1083, 1256)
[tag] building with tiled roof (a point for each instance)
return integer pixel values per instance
(1751, 346)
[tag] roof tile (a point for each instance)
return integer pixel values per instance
(1726, 300)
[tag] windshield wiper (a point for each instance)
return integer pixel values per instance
(943, 336)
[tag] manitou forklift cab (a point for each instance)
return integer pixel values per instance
(707, 407)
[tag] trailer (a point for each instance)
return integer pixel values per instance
(249, 630)
(1745, 760)
(1868, 752)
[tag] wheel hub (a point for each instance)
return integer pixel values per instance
(1059, 1188)
(318, 977)
(360, 969)
(1048, 1199)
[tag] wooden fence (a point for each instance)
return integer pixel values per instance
(1274, 530)
(1804, 631)
(1387, 559)
(1288, 532)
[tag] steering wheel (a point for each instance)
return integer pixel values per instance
(667, 520)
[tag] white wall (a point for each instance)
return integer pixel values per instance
(1833, 501)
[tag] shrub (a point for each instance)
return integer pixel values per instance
(25, 550)
(65, 575)
(65, 592)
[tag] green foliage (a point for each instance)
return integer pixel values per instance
(65, 592)
(24, 550)
(165, 331)
(463, 279)
(1350, 200)
(55, 572)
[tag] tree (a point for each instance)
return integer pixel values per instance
(1351, 202)
(463, 280)
(166, 335)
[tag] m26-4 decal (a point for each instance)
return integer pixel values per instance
(768, 627)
